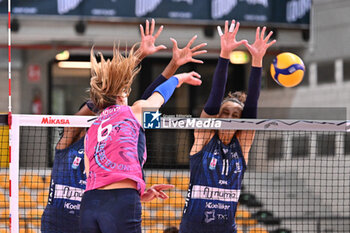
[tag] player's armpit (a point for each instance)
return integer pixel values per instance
(201, 138)
(246, 138)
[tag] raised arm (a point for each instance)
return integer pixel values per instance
(228, 44)
(163, 93)
(257, 51)
(212, 106)
(179, 58)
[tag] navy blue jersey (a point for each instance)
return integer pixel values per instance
(67, 186)
(215, 185)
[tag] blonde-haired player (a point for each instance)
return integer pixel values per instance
(115, 145)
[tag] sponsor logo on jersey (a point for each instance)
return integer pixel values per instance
(188, 196)
(71, 206)
(51, 192)
(214, 194)
(68, 192)
(220, 206)
(82, 182)
(212, 164)
(222, 216)
(54, 121)
(223, 182)
(238, 168)
(235, 155)
(76, 162)
(110, 110)
(209, 216)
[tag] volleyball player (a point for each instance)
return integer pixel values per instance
(67, 182)
(218, 158)
(61, 213)
(115, 145)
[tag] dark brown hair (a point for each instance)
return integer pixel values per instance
(239, 95)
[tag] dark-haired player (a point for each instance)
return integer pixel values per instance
(218, 158)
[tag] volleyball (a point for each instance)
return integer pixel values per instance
(287, 69)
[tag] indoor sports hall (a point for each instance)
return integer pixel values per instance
(279, 164)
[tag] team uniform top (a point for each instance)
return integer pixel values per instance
(116, 149)
(67, 185)
(215, 185)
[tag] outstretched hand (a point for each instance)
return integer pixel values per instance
(228, 39)
(156, 191)
(191, 78)
(148, 40)
(259, 47)
(186, 54)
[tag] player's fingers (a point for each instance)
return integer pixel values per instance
(242, 42)
(174, 43)
(152, 26)
(199, 52)
(163, 195)
(155, 193)
(195, 82)
(195, 74)
(160, 47)
(232, 26)
(268, 36)
(142, 31)
(147, 27)
(236, 28)
(248, 46)
(160, 187)
(220, 31)
(262, 35)
(158, 32)
(189, 44)
(197, 61)
(257, 33)
(226, 26)
(198, 47)
(271, 43)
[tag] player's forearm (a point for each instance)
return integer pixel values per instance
(257, 62)
(251, 103)
(168, 72)
(217, 91)
(170, 69)
(149, 90)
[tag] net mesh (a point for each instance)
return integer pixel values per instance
(296, 180)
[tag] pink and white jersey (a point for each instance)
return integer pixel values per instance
(115, 145)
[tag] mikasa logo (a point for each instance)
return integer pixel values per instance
(49, 120)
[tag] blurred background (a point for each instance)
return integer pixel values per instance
(47, 33)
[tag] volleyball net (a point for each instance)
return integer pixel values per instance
(297, 178)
